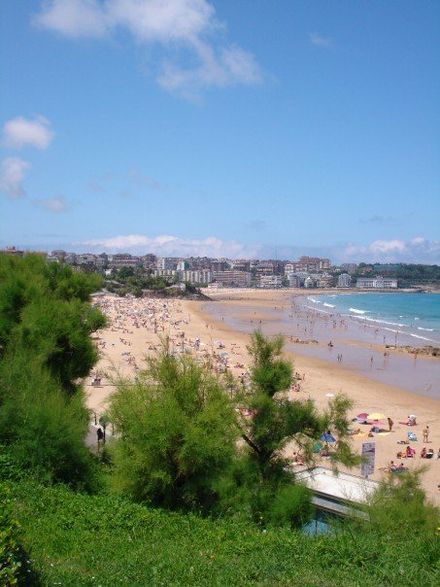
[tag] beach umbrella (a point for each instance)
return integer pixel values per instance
(327, 437)
(376, 416)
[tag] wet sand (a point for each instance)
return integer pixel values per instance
(354, 345)
(193, 326)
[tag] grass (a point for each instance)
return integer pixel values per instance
(77, 539)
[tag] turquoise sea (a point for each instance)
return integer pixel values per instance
(414, 314)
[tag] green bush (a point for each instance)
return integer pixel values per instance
(45, 348)
(43, 428)
(290, 505)
(176, 433)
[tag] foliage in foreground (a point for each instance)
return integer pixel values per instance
(45, 347)
(15, 566)
(88, 540)
(177, 433)
(260, 480)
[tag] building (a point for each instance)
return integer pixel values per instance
(349, 267)
(232, 278)
(57, 255)
(309, 282)
(149, 261)
(169, 274)
(376, 283)
(219, 265)
(344, 280)
(86, 259)
(341, 494)
(124, 260)
(270, 281)
(182, 265)
(13, 251)
(325, 280)
(165, 263)
(269, 267)
(294, 280)
(241, 265)
(196, 277)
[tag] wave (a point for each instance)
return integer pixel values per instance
(356, 311)
(328, 305)
(377, 321)
(422, 337)
(314, 301)
(426, 329)
(316, 309)
(415, 318)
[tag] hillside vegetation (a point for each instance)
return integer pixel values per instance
(76, 539)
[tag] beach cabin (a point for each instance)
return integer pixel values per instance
(335, 495)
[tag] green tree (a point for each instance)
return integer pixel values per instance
(176, 432)
(45, 349)
(275, 421)
(43, 427)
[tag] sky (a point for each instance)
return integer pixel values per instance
(235, 128)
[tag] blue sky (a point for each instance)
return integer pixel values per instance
(235, 128)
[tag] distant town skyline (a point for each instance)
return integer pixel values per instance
(227, 129)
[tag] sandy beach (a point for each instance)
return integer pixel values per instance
(136, 325)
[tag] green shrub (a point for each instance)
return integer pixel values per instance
(43, 428)
(176, 433)
(291, 505)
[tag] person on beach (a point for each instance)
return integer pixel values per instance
(426, 434)
(390, 424)
(100, 435)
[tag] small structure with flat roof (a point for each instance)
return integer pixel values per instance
(337, 493)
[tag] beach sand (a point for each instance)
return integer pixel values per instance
(136, 326)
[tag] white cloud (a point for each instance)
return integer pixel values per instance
(56, 205)
(168, 245)
(319, 40)
(190, 25)
(73, 18)
(12, 172)
(415, 250)
(21, 132)
(392, 246)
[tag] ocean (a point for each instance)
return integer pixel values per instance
(413, 314)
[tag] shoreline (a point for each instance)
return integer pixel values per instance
(328, 335)
(136, 325)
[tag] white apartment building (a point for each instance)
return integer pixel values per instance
(198, 276)
(376, 283)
